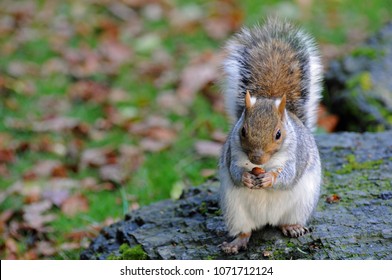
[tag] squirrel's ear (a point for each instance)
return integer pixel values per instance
(249, 101)
(281, 106)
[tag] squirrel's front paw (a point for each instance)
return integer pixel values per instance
(268, 179)
(264, 180)
(252, 181)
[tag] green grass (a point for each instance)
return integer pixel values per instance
(331, 22)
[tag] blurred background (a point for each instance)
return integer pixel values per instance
(107, 106)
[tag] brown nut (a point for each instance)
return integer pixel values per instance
(257, 171)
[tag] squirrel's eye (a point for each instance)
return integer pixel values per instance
(243, 132)
(278, 134)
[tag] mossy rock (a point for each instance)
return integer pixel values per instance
(356, 225)
(359, 85)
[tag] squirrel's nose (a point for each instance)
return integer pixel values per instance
(256, 158)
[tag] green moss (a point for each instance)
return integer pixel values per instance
(130, 253)
(366, 52)
(352, 165)
(363, 80)
(203, 208)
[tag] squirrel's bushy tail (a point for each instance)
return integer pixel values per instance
(271, 60)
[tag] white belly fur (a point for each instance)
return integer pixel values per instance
(246, 210)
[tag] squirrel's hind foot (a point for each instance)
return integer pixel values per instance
(240, 242)
(295, 230)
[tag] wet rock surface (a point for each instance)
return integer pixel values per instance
(359, 85)
(355, 223)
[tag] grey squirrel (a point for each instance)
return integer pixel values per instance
(272, 89)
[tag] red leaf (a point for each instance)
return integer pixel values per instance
(334, 198)
(6, 155)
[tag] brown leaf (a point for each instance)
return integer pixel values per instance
(225, 17)
(55, 124)
(151, 145)
(208, 148)
(219, 136)
(11, 248)
(168, 101)
(334, 198)
(96, 157)
(34, 214)
(7, 155)
(131, 157)
(206, 173)
(78, 235)
(197, 75)
(56, 196)
(82, 62)
(113, 173)
(115, 53)
(4, 217)
(327, 120)
(89, 91)
(68, 246)
(59, 171)
(44, 168)
(45, 248)
(4, 172)
(75, 204)
(157, 132)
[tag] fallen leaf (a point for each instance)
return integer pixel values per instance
(4, 217)
(74, 205)
(96, 157)
(7, 155)
(267, 254)
(44, 168)
(68, 246)
(56, 196)
(113, 173)
(151, 145)
(78, 235)
(206, 173)
(186, 17)
(45, 248)
(131, 157)
(224, 18)
(89, 91)
(115, 53)
(59, 171)
(158, 133)
(334, 198)
(55, 124)
(327, 120)
(202, 71)
(4, 172)
(208, 148)
(82, 62)
(11, 248)
(168, 101)
(34, 214)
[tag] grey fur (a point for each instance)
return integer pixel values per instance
(293, 197)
